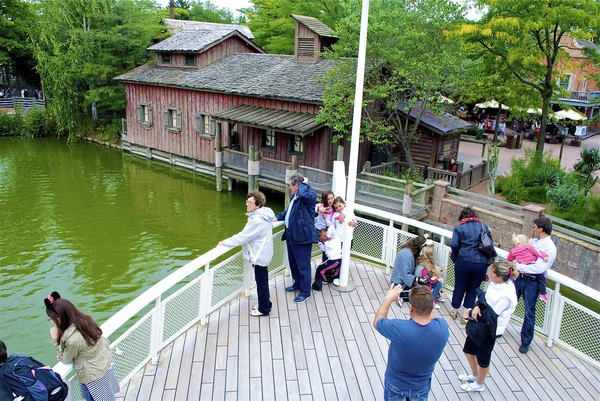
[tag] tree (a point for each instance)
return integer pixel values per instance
(208, 12)
(526, 38)
(81, 45)
(411, 63)
(184, 4)
(16, 57)
(273, 28)
(590, 162)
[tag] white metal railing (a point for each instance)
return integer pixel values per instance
(176, 303)
(21, 102)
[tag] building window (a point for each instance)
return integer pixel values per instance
(144, 116)
(296, 145)
(203, 127)
(565, 82)
(165, 58)
(190, 60)
(172, 119)
(268, 140)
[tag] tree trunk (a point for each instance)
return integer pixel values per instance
(497, 125)
(542, 137)
(408, 154)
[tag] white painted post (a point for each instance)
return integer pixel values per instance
(554, 318)
(248, 270)
(156, 336)
(286, 260)
(206, 291)
(338, 181)
(389, 247)
(356, 119)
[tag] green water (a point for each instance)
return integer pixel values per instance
(99, 226)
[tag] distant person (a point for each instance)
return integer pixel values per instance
(78, 339)
(532, 276)
(470, 263)
(256, 240)
(452, 166)
(494, 308)
(300, 234)
(329, 270)
(415, 345)
(404, 267)
(23, 92)
(1, 93)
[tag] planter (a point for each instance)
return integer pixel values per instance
(551, 140)
(575, 142)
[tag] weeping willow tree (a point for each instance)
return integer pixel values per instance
(80, 45)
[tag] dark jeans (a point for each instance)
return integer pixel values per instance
(468, 277)
(392, 393)
(261, 275)
(327, 271)
(528, 288)
(299, 258)
(435, 290)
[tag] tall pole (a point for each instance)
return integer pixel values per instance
(354, 142)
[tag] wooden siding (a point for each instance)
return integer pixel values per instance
(318, 147)
(302, 32)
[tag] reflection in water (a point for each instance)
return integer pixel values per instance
(99, 226)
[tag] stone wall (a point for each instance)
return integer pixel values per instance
(575, 258)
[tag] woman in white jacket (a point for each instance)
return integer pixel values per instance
(256, 240)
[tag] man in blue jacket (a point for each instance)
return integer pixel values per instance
(300, 234)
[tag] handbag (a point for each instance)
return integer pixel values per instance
(486, 245)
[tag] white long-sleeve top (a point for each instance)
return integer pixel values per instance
(332, 248)
(545, 245)
(502, 298)
(339, 227)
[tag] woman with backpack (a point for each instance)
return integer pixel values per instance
(78, 339)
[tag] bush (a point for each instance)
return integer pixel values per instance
(513, 190)
(9, 124)
(585, 212)
(32, 123)
(536, 194)
(564, 195)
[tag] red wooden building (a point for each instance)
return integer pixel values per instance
(206, 82)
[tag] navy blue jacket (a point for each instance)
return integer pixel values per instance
(465, 243)
(301, 228)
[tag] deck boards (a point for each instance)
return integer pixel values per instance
(325, 349)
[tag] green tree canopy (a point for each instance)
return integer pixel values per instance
(411, 63)
(16, 57)
(81, 45)
(207, 11)
(524, 37)
(273, 28)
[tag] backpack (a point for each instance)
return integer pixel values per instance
(29, 380)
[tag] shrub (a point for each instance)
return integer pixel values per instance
(536, 194)
(564, 195)
(513, 190)
(9, 124)
(585, 212)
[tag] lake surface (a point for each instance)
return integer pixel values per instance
(99, 226)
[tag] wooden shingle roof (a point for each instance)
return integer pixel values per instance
(291, 122)
(314, 25)
(177, 25)
(259, 75)
(197, 40)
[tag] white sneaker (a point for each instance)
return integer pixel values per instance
(336, 281)
(473, 386)
(436, 305)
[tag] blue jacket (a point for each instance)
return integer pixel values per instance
(404, 268)
(465, 243)
(301, 228)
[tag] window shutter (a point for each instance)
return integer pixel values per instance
(179, 120)
(139, 114)
(198, 123)
(166, 116)
(149, 114)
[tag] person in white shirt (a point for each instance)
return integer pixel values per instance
(342, 218)
(330, 269)
(533, 277)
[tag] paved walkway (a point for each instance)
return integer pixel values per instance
(326, 349)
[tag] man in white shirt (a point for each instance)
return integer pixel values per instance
(533, 276)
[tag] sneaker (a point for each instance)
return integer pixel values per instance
(291, 289)
(523, 349)
(473, 386)
(436, 305)
(467, 378)
(336, 281)
(544, 297)
(300, 298)
(314, 287)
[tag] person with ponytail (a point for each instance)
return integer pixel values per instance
(488, 320)
(78, 339)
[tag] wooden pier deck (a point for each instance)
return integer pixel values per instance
(326, 349)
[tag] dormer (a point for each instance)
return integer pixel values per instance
(311, 39)
(198, 48)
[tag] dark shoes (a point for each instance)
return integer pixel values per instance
(291, 289)
(315, 287)
(301, 298)
(523, 348)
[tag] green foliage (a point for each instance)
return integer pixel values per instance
(564, 195)
(585, 212)
(273, 28)
(36, 122)
(547, 175)
(404, 37)
(590, 162)
(405, 174)
(16, 57)
(207, 11)
(80, 47)
(9, 124)
(513, 189)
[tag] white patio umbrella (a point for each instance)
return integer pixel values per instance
(534, 111)
(491, 104)
(569, 115)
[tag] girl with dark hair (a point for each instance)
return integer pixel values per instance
(404, 266)
(470, 264)
(78, 339)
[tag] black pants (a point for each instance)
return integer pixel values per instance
(327, 271)
(261, 275)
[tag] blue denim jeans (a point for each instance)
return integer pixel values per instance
(391, 393)
(85, 393)
(528, 288)
(468, 277)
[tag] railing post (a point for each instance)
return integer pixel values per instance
(286, 260)
(248, 270)
(206, 291)
(389, 247)
(554, 318)
(218, 161)
(157, 330)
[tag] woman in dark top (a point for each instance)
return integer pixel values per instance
(453, 167)
(470, 264)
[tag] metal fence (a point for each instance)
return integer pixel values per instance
(24, 103)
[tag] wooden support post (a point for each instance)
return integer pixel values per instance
(218, 161)
(407, 203)
(229, 184)
(256, 158)
(340, 153)
(251, 176)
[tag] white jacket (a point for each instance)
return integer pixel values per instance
(256, 238)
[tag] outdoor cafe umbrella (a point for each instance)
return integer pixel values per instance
(492, 104)
(569, 115)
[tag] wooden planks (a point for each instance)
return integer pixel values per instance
(326, 349)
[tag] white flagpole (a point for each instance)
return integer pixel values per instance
(353, 162)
